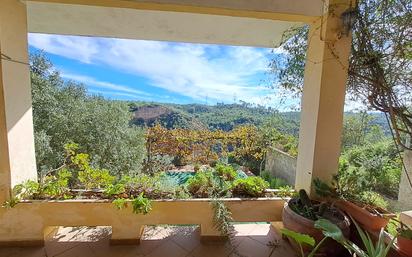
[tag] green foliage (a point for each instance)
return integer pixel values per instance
(406, 233)
(372, 198)
(88, 176)
(222, 218)
(250, 186)
(371, 167)
(298, 237)
(349, 190)
(372, 249)
(141, 204)
(358, 129)
(63, 112)
(200, 185)
(302, 239)
(378, 249)
(11, 203)
(120, 203)
(304, 206)
(225, 172)
(274, 182)
(286, 191)
(95, 178)
(56, 186)
(114, 190)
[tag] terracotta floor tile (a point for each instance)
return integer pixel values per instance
(211, 250)
(54, 248)
(156, 232)
(245, 229)
(147, 246)
(283, 250)
(251, 248)
(169, 241)
(23, 252)
(80, 250)
(169, 249)
(187, 237)
(265, 234)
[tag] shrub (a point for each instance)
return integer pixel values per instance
(274, 182)
(141, 204)
(371, 167)
(56, 186)
(95, 178)
(225, 172)
(373, 199)
(200, 185)
(120, 203)
(114, 189)
(277, 183)
(250, 186)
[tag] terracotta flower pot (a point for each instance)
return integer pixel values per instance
(368, 220)
(293, 221)
(404, 245)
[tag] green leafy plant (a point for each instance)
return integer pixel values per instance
(274, 182)
(114, 189)
(56, 186)
(11, 203)
(250, 186)
(349, 190)
(120, 203)
(378, 249)
(304, 206)
(141, 204)
(406, 232)
(200, 184)
(225, 172)
(196, 167)
(222, 218)
(286, 191)
(301, 240)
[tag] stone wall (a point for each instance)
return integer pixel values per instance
(282, 165)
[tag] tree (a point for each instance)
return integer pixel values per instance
(380, 67)
(359, 130)
(63, 112)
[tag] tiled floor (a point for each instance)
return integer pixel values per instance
(251, 240)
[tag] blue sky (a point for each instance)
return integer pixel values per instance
(163, 71)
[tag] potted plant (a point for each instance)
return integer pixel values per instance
(330, 230)
(366, 207)
(300, 214)
(404, 239)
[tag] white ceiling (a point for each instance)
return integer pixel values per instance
(68, 19)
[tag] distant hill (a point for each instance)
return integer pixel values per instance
(221, 116)
(199, 116)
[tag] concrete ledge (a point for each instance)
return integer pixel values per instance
(29, 221)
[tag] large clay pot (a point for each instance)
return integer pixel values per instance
(293, 221)
(404, 245)
(368, 220)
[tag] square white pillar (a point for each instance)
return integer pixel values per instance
(17, 154)
(323, 97)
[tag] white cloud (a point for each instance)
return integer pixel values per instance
(71, 47)
(196, 71)
(103, 85)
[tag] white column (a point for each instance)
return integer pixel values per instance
(323, 97)
(17, 155)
